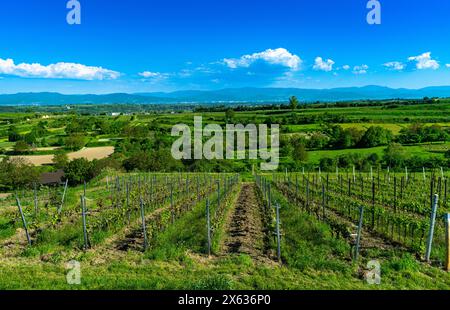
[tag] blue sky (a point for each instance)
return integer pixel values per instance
(168, 45)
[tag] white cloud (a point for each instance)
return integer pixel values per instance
(279, 56)
(395, 65)
(425, 61)
(346, 67)
(321, 65)
(360, 69)
(447, 65)
(149, 74)
(60, 70)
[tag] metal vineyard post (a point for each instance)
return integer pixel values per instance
(208, 226)
(358, 236)
(432, 225)
(24, 222)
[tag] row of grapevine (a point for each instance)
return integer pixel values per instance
(271, 212)
(396, 219)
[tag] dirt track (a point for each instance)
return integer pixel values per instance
(245, 229)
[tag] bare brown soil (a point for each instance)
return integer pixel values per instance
(245, 233)
(89, 153)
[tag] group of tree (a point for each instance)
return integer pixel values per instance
(81, 170)
(16, 173)
(352, 137)
(24, 142)
(419, 133)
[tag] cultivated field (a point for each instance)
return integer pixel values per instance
(89, 153)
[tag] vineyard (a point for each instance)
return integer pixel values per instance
(207, 231)
(393, 210)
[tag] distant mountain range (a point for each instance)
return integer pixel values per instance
(231, 95)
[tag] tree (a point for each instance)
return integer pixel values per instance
(394, 155)
(328, 164)
(299, 153)
(293, 103)
(78, 171)
(376, 136)
(229, 115)
(60, 160)
(75, 142)
(160, 160)
(31, 138)
(137, 161)
(16, 173)
(447, 154)
(13, 134)
(318, 141)
(21, 147)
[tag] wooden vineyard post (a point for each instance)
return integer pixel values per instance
(431, 190)
(83, 216)
(402, 185)
(445, 193)
(198, 189)
(362, 188)
(144, 227)
(127, 201)
(24, 222)
(447, 241)
(323, 201)
(218, 195)
(277, 206)
(358, 234)
(172, 207)
(269, 199)
(373, 203)
(349, 187)
(225, 189)
(395, 194)
(208, 226)
(431, 232)
(378, 172)
(63, 196)
(307, 194)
